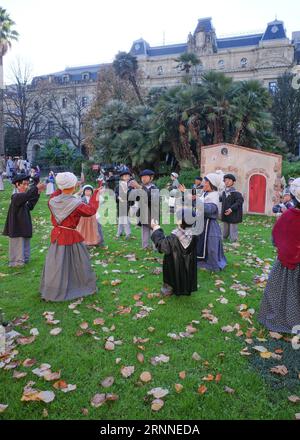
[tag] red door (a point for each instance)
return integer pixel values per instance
(257, 194)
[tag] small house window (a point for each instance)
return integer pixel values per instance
(66, 78)
(64, 103)
(244, 63)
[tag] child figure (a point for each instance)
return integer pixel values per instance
(285, 204)
(180, 259)
(88, 226)
(232, 208)
(18, 226)
(121, 193)
(148, 203)
(50, 184)
(67, 272)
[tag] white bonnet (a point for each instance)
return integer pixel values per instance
(216, 179)
(295, 189)
(66, 180)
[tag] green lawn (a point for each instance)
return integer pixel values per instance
(84, 362)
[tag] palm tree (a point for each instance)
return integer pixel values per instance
(7, 35)
(218, 107)
(186, 61)
(250, 113)
(126, 67)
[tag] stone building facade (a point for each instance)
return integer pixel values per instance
(264, 56)
(258, 173)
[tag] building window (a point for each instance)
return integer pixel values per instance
(64, 103)
(244, 63)
(66, 78)
(160, 70)
(273, 87)
(221, 64)
(85, 76)
(84, 101)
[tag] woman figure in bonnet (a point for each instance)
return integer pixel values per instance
(280, 307)
(210, 251)
(67, 272)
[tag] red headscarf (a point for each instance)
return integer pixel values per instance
(286, 235)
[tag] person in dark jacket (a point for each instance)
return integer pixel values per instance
(148, 204)
(232, 208)
(123, 204)
(180, 259)
(18, 226)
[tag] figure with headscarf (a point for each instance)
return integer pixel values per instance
(210, 251)
(180, 256)
(67, 271)
(280, 306)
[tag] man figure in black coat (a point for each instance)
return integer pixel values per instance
(232, 208)
(18, 226)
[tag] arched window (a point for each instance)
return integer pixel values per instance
(221, 64)
(160, 70)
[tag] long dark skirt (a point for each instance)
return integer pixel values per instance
(67, 273)
(280, 307)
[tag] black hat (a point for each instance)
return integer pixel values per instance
(199, 178)
(147, 173)
(20, 178)
(230, 176)
(124, 172)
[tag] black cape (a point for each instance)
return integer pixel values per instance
(18, 221)
(180, 265)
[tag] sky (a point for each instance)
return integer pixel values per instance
(55, 34)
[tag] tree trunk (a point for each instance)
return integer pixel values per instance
(136, 89)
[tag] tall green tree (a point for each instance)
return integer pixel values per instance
(7, 35)
(286, 113)
(126, 67)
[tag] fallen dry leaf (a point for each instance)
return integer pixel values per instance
(280, 369)
(158, 393)
(56, 331)
(182, 375)
(196, 357)
(98, 400)
(146, 377)
(140, 358)
(178, 387)
(84, 325)
(26, 341)
(35, 395)
(294, 399)
(29, 362)
(127, 371)
(3, 407)
(19, 374)
(99, 321)
(229, 390)
(202, 389)
(157, 404)
(60, 384)
(108, 382)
